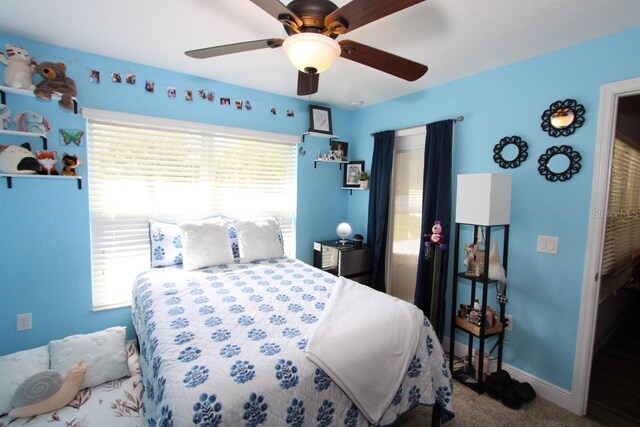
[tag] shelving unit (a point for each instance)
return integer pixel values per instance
(10, 178)
(26, 135)
(25, 92)
(355, 188)
(476, 332)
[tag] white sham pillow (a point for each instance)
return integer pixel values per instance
(205, 244)
(104, 353)
(17, 367)
(258, 239)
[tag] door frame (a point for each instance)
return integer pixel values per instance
(609, 94)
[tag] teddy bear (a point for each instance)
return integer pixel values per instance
(56, 82)
(19, 68)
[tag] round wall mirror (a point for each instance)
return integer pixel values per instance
(559, 163)
(563, 118)
(510, 152)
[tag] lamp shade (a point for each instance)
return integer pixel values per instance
(311, 50)
(483, 199)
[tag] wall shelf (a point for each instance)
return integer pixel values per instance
(355, 188)
(10, 178)
(26, 135)
(25, 92)
(339, 162)
(319, 135)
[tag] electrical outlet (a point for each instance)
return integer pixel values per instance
(509, 319)
(24, 321)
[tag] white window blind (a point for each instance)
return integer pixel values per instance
(622, 236)
(139, 172)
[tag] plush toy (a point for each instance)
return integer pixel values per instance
(19, 68)
(46, 391)
(69, 165)
(496, 270)
(47, 160)
(31, 122)
(56, 82)
(437, 237)
(5, 113)
(16, 159)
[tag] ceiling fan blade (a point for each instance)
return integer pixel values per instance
(209, 52)
(278, 11)
(357, 13)
(307, 83)
(383, 61)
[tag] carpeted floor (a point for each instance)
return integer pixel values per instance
(481, 410)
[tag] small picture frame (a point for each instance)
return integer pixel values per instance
(352, 173)
(341, 148)
(320, 119)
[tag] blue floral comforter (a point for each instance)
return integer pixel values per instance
(226, 346)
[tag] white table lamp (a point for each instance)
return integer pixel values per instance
(483, 199)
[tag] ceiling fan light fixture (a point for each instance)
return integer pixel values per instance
(311, 51)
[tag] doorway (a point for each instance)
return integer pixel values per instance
(610, 97)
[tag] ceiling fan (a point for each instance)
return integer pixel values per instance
(312, 26)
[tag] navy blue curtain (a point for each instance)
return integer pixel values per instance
(436, 204)
(379, 186)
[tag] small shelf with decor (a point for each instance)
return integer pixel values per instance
(355, 188)
(22, 134)
(11, 177)
(483, 206)
(339, 162)
(4, 90)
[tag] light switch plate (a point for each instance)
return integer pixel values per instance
(548, 244)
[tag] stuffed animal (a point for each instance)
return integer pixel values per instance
(5, 113)
(437, 237)
(56, 82)
(19, 68)
(31, 122)
(46, 391)
(16, 159)
(47, 160)
(69, 165)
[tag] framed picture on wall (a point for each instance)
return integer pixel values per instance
(341, 149)
(352, 173)
(320, 119)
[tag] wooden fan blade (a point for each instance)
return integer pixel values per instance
(278, 11)
(383, 61)
(307, 83)
(209, 52)
(361, 12)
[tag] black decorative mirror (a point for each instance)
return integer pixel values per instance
(559, 163)
(510, 152)
(563, 118)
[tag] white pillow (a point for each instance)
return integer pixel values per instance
(258, 239)
(17, 367)
(166, 244)
(104, 353)
(205, 244)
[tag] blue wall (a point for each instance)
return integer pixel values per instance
(544, 290)
(44, 225)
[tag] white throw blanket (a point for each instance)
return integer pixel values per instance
(365, 340)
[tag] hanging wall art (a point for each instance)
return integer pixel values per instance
(510, 152)
(563, 118)
(559, 163)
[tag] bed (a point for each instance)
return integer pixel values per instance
(225, 345)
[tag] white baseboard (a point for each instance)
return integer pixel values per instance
(549, 392)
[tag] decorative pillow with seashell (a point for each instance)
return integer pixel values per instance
(17, 367)
(104, 354)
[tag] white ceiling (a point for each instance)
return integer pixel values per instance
(455, 38)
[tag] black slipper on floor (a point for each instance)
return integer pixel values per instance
(511, 399)
(497, 384)
(525, 392)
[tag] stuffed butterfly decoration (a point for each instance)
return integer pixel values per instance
(71, 136)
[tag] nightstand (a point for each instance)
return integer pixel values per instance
(344, 260)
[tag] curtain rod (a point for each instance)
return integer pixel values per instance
(455, 120)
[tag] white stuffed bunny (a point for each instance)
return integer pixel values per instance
(19, 69)
(5, 112)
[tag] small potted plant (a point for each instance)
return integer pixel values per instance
(364, 179)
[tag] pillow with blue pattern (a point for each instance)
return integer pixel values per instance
(166, 244)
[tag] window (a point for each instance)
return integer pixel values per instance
(622, 235)
(142, 168)
(405, 213)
